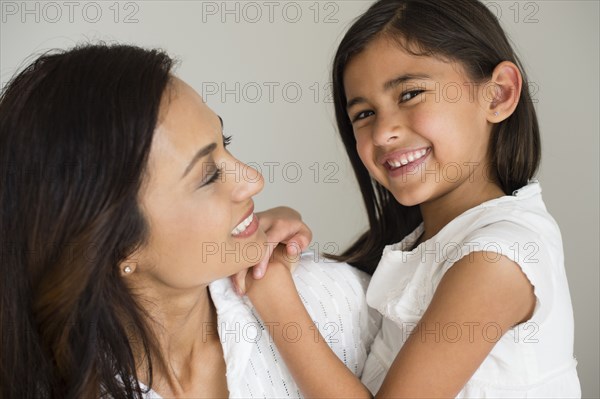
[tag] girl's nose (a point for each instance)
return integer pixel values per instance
(249, 182)
(386, 130)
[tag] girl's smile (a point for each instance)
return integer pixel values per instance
(410, 131)
(404, 161)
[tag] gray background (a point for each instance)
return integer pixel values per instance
(264, 67)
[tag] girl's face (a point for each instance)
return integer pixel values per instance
(201, 221)
(420, 125)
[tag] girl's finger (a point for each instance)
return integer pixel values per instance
(259, 270)
(239, 282)
(293, 248)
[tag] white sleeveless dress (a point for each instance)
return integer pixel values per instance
(535, 358)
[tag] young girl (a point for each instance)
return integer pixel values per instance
(433, 108)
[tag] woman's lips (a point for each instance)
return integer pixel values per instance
(247, 227)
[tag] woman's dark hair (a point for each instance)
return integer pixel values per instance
(463, 31)
(75, 131)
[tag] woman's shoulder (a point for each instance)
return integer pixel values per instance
(322, 271)
(331, 290)
(334, 295)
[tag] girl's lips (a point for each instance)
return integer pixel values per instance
(402, 157)
(408, 168)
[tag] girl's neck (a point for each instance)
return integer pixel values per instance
(441, 211)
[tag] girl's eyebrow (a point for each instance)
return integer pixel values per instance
(355, 101)
(393, 83)
(389, 85)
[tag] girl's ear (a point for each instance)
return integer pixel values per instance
(503, 91)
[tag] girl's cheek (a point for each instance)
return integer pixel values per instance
(362, 147)
(429, 124)
(422, 116)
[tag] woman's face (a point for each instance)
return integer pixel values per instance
(196, 198)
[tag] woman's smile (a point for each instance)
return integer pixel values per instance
(247, 227)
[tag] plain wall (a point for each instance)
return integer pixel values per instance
(264, 67)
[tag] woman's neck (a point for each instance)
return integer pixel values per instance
(191, 355)
(181, 321)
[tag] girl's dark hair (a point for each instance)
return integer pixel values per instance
(75, 132)
(464, 31)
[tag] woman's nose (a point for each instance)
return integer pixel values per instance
(249, 182)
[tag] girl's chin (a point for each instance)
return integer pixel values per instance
(406, 198)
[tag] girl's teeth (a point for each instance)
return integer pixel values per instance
(243, 226)
(405, 159)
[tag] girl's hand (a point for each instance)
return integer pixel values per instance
(310, 359)
(277, 280)
(281, 255)
(281, 225)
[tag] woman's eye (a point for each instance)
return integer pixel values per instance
(213, 178)
(227, 140)
(362, 115)
(409, 95)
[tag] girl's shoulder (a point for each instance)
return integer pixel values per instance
(516, 228)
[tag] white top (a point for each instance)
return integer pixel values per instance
(533, 359)
(334, 295)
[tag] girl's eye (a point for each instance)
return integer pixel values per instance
(227, 140)
(409, 95)
(362, 115)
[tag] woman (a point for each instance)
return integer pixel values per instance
(119, 233)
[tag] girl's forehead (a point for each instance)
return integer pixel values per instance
(384, 60)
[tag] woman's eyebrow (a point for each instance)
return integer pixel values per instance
(204, 151)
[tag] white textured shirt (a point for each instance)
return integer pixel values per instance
(334, 296)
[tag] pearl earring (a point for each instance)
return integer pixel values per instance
(496, 113)
(127, 270)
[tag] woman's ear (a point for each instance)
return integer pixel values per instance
(128, 267)
(503, 91)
